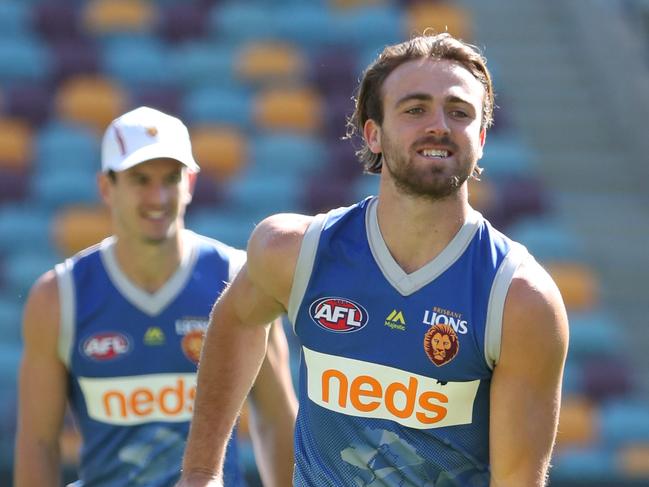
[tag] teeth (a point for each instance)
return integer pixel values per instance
(434, 153)
(155, 214)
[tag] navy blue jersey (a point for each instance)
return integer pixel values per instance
(132, 356)
(396, 368)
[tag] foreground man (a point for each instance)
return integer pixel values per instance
(432, 345)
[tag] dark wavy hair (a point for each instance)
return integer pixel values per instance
(368, 100)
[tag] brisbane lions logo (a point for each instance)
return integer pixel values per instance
(441, 344)
(192, 344)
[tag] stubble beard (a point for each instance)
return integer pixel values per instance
(413, 182)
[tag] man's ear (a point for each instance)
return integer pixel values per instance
(191, 182)
(372, 135)
(483, 138)
(104, 185)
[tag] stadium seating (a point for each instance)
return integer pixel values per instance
(265, 88)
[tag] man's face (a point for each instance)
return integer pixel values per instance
(430, 137)
(148, 201)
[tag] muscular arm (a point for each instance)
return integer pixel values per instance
(42, 390)
(235, 343)
(273, 408)
(526, 384)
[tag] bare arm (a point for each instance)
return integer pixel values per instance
(526, 384)
(235, 343)
(273, 408)
(42, 390)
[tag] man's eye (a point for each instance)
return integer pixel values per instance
(415, 110)
(459, 114)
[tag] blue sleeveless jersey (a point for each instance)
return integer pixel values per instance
(132, 358)
(396, 368)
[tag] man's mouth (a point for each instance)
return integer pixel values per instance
(441, 153)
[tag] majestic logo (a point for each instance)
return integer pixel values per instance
(368, 390)
(338, 314)
(154, 336)
(441, 344)
(441, 316)
(106, 346)
(192, 343)
(395, 320)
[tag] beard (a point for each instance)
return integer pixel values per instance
(431, 183)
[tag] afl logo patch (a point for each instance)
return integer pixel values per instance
(192, 343)
(106, 346)
(338, 315)
(441, 344)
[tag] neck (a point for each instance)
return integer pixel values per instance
(416, 229)
(148, 265)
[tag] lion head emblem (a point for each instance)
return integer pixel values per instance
(441, 344)
(192, 344)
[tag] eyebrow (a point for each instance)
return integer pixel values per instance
(426, 97)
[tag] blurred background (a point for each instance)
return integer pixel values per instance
(265, 86)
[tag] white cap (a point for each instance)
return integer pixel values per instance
(144, 134)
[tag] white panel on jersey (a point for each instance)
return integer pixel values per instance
(139, 399)
(369, 390)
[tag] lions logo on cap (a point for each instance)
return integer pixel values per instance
(441, 344)
(151, 131)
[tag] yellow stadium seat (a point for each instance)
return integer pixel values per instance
(15, 143)
(482, 195)
(578, 422)
(104, 16)
(299, 110)
(578, 284)
(76, 227)
(634, 460)
(90, 100)
(441, 17)
(221, 151)
(270, 62)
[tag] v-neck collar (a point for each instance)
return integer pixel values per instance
(403, 282)
(149, 303)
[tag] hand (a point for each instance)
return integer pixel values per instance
(199, 479)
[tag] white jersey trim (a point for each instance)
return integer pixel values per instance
(149, 303)
(304, 265)
(67, 308)
(407, 284)
(496, 306)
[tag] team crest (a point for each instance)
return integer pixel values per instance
(151, 131)
(441, 344)
(192, 343)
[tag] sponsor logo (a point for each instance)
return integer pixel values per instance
(395, 320)
(139, 399)
(369, 390)
(106, 346)
(441, 316)
(192, 323)
(154, 336)
(338, 314)
(441, 344)
(192, 343)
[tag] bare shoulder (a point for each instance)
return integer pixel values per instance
(41, 315)
(273, 251)
(534, 312)
(277, 239)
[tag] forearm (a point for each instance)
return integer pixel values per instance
(232, 355)
(36, 465)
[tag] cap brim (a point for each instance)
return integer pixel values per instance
(154, 151)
